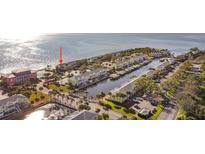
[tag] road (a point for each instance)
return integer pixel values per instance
(169, 113)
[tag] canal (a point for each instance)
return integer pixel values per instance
(55, 111)
(108, 85)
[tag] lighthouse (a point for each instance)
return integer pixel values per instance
(61, 56)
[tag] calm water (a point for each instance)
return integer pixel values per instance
(41, 50)
(109, 85)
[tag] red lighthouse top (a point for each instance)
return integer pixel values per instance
(61, 56)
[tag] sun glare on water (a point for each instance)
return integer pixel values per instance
(19, 36)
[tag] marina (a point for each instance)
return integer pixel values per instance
(96, 83)
(111, 85)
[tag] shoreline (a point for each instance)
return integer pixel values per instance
(127, 83)
(56, 65)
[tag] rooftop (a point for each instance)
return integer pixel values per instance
(84, 115)
(9, 76)
(12, 99)
(20, 70)
(144, 111)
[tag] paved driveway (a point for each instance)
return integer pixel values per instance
(169, 112)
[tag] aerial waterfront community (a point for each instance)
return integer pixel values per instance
(134, 84)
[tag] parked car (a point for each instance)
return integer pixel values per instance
(136, 107)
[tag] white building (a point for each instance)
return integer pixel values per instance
(129, 62)
(160, 54)
(86, 77)
(75, 72)
(13, 104)
(107, 65)
(20, 76)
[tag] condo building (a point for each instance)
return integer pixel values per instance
(160, 54)
(19, 76)
(12, 105)
(89, 77)
(129, 62)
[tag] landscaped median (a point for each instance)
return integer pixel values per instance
(37, 97)
(60, 88)
(159, 109)
(122, 110)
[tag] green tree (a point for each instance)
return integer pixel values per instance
(105, 116)
(146, 85)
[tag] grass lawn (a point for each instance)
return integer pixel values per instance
(159, 108)
(171, 92)
(129, 115)
(37, 95)
(181, 114)
(64, 89)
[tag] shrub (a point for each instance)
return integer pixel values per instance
(103, 94)
(134, 118)
(26, 93)
(41, 88)
(105, 116)
(154, 111)
(117, 107)
(101, 103)
(132, 111)
(42, 97)
(107, 106)
(37, 99)
(57, 84)
(84, 107)
(120, 95)
(126, 110)
(124, 117)
(97, 110)
(99, 117)
(100, 95)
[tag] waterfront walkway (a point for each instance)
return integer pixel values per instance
(129, 86)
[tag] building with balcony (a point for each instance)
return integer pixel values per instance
(122, 64)
(89, 78)
(12, 105)
(19, 76)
